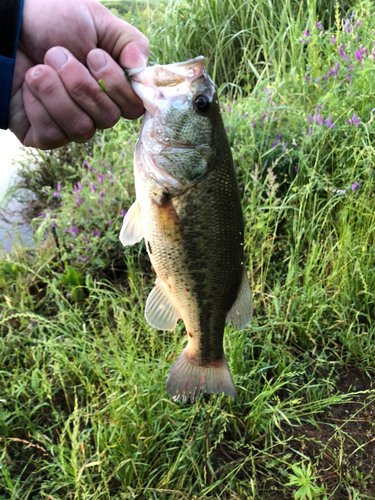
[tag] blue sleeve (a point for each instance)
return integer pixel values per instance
(10, 25)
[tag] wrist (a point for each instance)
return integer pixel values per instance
(10, 23)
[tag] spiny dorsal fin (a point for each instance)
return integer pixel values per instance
(132, 227)
(241, 312)
(160, 313)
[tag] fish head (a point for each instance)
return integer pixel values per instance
(182, 111)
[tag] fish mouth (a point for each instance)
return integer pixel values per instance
(157, 84)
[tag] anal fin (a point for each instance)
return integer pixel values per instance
(160, 313)
(241, 311)
(132, 227)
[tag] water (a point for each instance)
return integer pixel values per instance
(10, 150)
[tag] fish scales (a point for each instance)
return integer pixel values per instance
(188, 210)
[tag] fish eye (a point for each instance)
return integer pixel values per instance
(202, 103)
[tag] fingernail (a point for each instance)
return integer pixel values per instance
(37, 70)
(57, 58)
(97, 60)
(134, 56)
(140, 57)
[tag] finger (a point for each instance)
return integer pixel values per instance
(43, 132)
(45, 84)
(83, 88)
(121, 40)
(117, 88)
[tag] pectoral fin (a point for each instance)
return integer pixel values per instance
(160, 313)
(132, 227)
(241, 312)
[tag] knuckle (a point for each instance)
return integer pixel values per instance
(82, 130)
(108, 120)
(51, 138)
(80, 88)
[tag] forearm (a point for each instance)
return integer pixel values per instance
(10, 23)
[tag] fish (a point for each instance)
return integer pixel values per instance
(188, 211)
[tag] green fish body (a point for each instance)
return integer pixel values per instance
(188, 210)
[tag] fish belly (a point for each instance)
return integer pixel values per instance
(195, 244)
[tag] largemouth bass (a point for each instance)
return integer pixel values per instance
(188, 211)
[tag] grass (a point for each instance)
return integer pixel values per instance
(83, 408)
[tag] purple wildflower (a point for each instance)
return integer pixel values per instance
(329, 123)
(93, 188)
(358, 23)
(333, 41)
(246, 115)
(43, 215)
(32, 324)
(58, 186)
(355, 120)
(123, 213)
(100, 178)
(87, 165)
(355, 185)
(274, 144)
(319, 25)
(359, 54)
(229, 108)
(101, 195)
(79, 201)
(307, 78)
(114, 200)
(319, 118)
(109, 223)
(57, 195)
(88, 249)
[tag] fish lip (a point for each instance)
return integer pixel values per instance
(147, 94)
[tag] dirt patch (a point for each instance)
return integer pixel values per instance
(342, 445)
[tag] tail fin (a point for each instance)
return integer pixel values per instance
(188, 377)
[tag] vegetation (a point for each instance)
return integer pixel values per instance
(83, 408)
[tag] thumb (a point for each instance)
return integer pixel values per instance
(128, 46)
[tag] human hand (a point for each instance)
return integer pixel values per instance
(65, 48)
